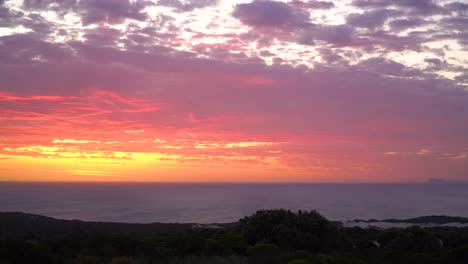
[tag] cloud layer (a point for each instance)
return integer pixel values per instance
(262, 90)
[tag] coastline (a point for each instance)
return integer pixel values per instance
(268, 236)
(17, 224)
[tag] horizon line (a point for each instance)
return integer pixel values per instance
(238, 182)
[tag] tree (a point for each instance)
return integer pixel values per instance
(304, 230)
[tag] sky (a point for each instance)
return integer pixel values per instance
(234, 91)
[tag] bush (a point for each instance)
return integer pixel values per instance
(87, 260)
(298, 261)
(304, 230)
(461, 253)
(263, 254)
(122, 260)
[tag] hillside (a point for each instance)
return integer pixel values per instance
(266, 237)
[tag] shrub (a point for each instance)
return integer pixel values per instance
(263, 254)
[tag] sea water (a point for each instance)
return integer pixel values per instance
(220, 203)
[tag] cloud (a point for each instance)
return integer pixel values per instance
(371, 19)
(93, 11)
(260, 13)
(288, 100)
(73, 141)
(457, 7)
(110, 11)
(134, 131)
(92, 173)
(337, 35)
(102, 36)
(460, 156)
(292, 23)
(423, 7)
(438, 181)
(388, 67)
(30, 46)
(311, 4)
(423, 152)
(215, 145)
(59, 6)
(186, 6)
(406, 23)
(323, 95)
(456, 23)
(462, 78)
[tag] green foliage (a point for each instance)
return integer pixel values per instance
(268, 236)
(206, 260)
(123, 260)
(21, 251)
(298, 261)
(304, 230)
(87, 260)
(309, 258)
(415, 239)
(461, 253)
(263, 254)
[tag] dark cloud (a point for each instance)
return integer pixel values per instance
(187, 5)
(266, 53)
(111, 11)
(62, 7)
(93, 11)
(331, 57)
(337, 35)
(385, 3)
(31, 49)
(388, 67)
(33, 21)
(405, 23)
(454, 28)
(38, 24)
(435, 64)
(102, 36)
(457, 23)
(462, 78)
(371, 19)
(9, 17)
(261, 13)
(433, 61)
(5, 17)
(422, 7)
(289, 22)
(389, 41)
(312, 4)
(457, 6)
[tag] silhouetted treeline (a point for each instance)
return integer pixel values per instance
(268, 236)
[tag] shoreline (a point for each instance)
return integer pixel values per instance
(17, 223)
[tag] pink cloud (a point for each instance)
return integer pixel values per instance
(338, 115)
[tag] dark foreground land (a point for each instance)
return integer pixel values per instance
(268, 236)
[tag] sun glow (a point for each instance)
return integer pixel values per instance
(239, 90)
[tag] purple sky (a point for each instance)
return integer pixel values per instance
(234, 90)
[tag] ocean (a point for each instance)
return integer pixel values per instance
(220, 203)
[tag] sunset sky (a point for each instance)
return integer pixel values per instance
(234, 91)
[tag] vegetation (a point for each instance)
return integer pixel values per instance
(268, 236)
